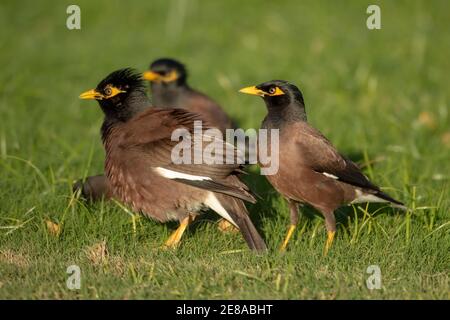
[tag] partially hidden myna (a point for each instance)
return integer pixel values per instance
(93, 188)
(169, 87)
(142, 173)
(311, 170)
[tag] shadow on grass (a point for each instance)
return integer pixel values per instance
(267, 207)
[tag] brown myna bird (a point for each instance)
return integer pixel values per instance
(168, 82)
(140, 168)
(311, 170)
(169, 87)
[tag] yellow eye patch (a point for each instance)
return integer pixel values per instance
(275, 91)
(111, 91)
(171, 76)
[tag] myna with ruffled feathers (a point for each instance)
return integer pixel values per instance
(168, 82)
(142, 173)
(169, 88)
(311, 170)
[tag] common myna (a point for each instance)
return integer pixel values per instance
(142, 173)
(311, 170)
(167, 79)
(168, 82)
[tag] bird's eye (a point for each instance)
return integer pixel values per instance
(163, 73)
(272, 90)
(108, 91)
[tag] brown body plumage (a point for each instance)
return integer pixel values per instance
(302, 147)
(93, 188)
(137, 148)
(140, 168)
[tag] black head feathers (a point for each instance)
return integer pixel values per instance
(291, 92)
(126, 79)
(166, 66)
(121, 95)
(284, 100)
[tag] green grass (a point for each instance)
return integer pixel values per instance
(378, 95)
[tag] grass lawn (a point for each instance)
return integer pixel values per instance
(381, 96)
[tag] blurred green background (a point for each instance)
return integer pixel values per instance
(381, 96)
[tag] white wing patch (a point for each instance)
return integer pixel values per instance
(212, 202)
(169, 174)
(329, 175)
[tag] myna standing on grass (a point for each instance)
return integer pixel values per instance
(169, 87)
(140, 168)
(311, 171)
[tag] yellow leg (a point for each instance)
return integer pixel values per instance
(288, 237)
(226, 226)
(330, 238)
(175, 237)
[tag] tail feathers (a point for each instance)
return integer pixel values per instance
(249, 232)
(235, 211)
(220, 188)
(395, 203)
(377, 196)
(399, 206)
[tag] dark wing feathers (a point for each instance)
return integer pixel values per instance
(319, 154)
(220, 188)
(150, 133)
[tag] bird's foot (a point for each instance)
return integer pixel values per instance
(226, 227)
(175, 237)
(330, 238)
(287, 238)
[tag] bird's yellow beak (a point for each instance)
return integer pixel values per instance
(156, 77)
(151, 76)
(91, 95)
(253, 90)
